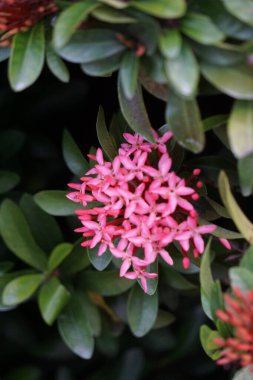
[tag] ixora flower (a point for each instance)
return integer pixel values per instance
(239, 315)
(141, 207)
(20, 15)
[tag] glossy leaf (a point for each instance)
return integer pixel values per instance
(206, 277)
(112, 16)
(201, 28)
(222, 54)
(99, 262)
(135, 112)
(8, 180)
(183, 72)
(164, 319)
(170, 43)
(17, 236)
(128, 74)
(235, 81)
(76, 261)
(27, 57)
(73, 157)
(102, 67)
(245, 173)
(240, 128)
(104, 137)
(214, 122)
(69, 20)
(55, 202)
(53, 297)
(241, 278)
(59, 253)
(161, 8)
(75, 329)
(142, 311)
(241, 221)
(21, 288)
(176, 280)
(207, 337)
(183, 118)
(56, 65)
(242, 9)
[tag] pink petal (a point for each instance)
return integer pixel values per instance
(226, 243)
(166, 257)
(207, 229)
(183, 203)
(124, 267)
(199, 243)
(144, 284)
(186, 262)
(164, 164)
(97, 238)
(102, 249)
(184, 190)
(131, 275)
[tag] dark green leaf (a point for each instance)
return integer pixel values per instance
(17, 236)
(176, 280)
(240, 128)
(245, 173)
(142, 311)
(27, 57)
(72, 155)
(75, 329)
(222, 54)
(247, 259)
(59, 253)
(164, 319)
(201, 28)
(76, 261)
(44, 227)
(183, 118)
(183, 72)
(8, 180)
(112, 16)
(214, 122)
(91, 45)
(21, 288)
(56, 65)
(104, 136)
(55, 202)
(93, 315)
(170, 43)
(241, 278)
(242, 9)
(161, 8)
(53, 297)
(135, 113)
(24, 373)
(69, 20)
(206, 281)
(128, 73)
(102, 67)
(5, 267)
(99, 262)
(236, 81)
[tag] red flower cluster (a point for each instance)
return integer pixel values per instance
(20, 15)
(238, 314)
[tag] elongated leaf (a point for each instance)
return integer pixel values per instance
(183, 72)
(241, 221)
(245, 173)
(72, 155)
(17, 236)
(44, 227)
(53, 296)
(161, 8)
(207, 337)
(135, 112)
(240, 128)
(69, 20)
(107, 283)
(170, 43)
(102, 67)
(128, 73)
(54, 202)
(142, 311)
(56, 65)
(118, 4)
(76, 261)
(214, 122)
(176, 280)
(183, 118)
(201, 28)
(236, 81)
(75, 329)
(242, 9)
(59, 253)
(222, 54)
(27, 57)
(99, 262)
(8, 180)
(206, 277)
(113, 16)
(164, 319)
(241, 278)
(104, 137)
(21, 288)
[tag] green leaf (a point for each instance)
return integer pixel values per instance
(170, 43)
(73, 157)
(183, 72)
(104, 137)
(107, 283)
(244, 374)
(240, 128)
(56, 65)
(164, 319)
(206, 278)
(21, 288)
(53, 297)
(183, 118)
(247, 259)
(207, 337)
(161, 8)
(241, 9)
(142, 311)
(8, 180)
(152, 283)
(201, 29)
(118, 4)
(214, 122)
(135, 112)
(177, 280)
(128, 74)
(221, 211)
(17, 235)
(69, 20)
(241, 221)
(27, 57)
(216, 300)
(75, 329)
(55, 202)
(235, 81)
(112, 16)
(59, 253)
(222, 54)
(76, 261)
(241, 278)
(5, 267)
(93, 315)
(102, 67)
(43, 226)
(246, 174)
(99, 262)
(91, 45)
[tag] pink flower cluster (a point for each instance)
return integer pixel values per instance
(141, 207)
